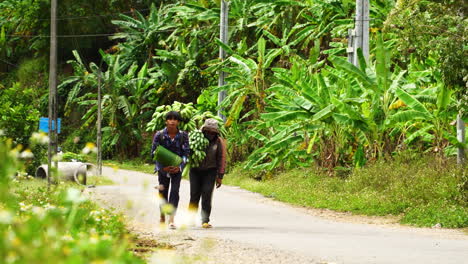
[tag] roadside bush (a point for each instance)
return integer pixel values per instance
(56, 226)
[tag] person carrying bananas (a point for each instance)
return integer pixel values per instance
(209, 172)
(176, 141)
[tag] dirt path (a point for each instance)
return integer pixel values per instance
(249, 228)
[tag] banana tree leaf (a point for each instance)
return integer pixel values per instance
(287, 142)
(413, 103)
(361, 60)
(311, 143)
(324, 113)
(242, 63)
(423, 98)
(407, 116)
(303, 34)
(235, 110)
(303, 103)
(454, 140)
(423, 132)
(345, 109)
(323, 90)
(256, 135)
(397, 81)
(284, 116)
(444, 97)
(261, 49)
(353, 70)
(273, 38)
(226, 48)
(142, 74)
(382, 64)
(272, 54)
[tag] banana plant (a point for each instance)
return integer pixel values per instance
(373, 85)
(299, 111)
(143, 34)
(126, 103)
(246, 79)
(426, 115)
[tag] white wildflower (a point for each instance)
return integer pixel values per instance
(51, 232)
(57, 157)
(40, 138)
(94, 239)
(89, 148)
(6, 217)
(39, 211)
(74, 195)
(67, 237)
(24, 207)
(27, 154)
(48, 206)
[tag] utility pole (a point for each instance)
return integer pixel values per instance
(461, 158)
(99, 121)
(361, 31)
(52, 150)
(222, 53)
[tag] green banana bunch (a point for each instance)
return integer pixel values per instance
(198, 143)
(187, 111)
(191, 118)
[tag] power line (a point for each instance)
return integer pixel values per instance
(104, 34)
(113, 14)
(64, 36)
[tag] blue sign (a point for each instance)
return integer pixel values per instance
(44, 124)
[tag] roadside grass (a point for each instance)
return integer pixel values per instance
(99, 180)
(59, 226)
(421, 192)
(135, 165)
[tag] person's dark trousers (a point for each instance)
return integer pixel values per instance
(174, 183)
(202, 184)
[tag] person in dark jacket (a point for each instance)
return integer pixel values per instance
(176, 141)
(210, 172)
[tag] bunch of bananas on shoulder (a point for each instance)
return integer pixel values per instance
(198, 143)
(192, 119)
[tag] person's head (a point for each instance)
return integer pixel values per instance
(172, 119)
(210, 128)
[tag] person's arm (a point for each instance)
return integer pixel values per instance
(221, 155)
(155, 144)
(185, 150)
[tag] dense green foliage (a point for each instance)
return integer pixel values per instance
(288, 84)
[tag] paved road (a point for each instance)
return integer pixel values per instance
(247, 217)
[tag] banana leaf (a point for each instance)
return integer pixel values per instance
(166, 157)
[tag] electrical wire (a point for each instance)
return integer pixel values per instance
(93, 16)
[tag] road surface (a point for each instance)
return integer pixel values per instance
(256, 223)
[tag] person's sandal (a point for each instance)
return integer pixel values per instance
(206, 225)
(172, 226)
